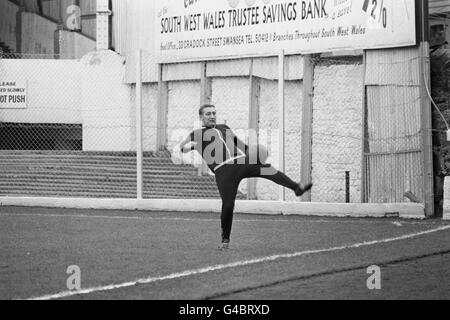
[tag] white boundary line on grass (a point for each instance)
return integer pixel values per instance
(183, 274)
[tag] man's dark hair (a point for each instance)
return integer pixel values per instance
(203, 107)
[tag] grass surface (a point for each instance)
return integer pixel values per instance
(116, 247)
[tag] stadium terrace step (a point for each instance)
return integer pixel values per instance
(100, 175)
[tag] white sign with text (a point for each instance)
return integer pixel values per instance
(13, 94)
(204, 29)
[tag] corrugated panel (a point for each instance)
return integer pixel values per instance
(393, 118)
(119, 25)
(133, 28)
(393, 67)
(391, 176)
(393, 160)
(138, 17)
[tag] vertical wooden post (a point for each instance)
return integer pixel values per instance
(307, 121)
(19, 26)
(427, 141)
(426, 114)
(205, 86)
(61, 14)
(347, 186)
(364, 135)
(205, 98)
(139, 148)
(162, 109)
(281, 117)
(253, 126)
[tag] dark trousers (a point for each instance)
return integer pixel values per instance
(228, 178)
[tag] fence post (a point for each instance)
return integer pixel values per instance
(253, 126)
(205, 86)
(162, 103)
(427, 142)
(19, 27)
(347, 186)
(307, 119)
(205, 98)
(139, 152)
(426, 114)
(364, 134)
(281, 117)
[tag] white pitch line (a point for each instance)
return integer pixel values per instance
(204, 219)
(188, 273)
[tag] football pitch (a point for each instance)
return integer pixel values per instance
(174, 256)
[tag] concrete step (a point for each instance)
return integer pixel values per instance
(106, 194)
(97, 160)
(86, 169)
(73, 192)
(99, 175)
(119, 184)
(90, 154)
(93, 188)
(166, 177)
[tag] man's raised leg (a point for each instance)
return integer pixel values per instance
(270, 173)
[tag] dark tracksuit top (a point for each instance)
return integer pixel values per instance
(218, 146)
(226, 156)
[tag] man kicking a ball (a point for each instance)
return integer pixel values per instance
(228, 157)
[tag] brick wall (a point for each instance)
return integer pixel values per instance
(337, 129)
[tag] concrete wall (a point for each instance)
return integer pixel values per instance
(54, 91)
(337, 130)
(149, 115)
(182, 116)
(106, 103)
(8, 12)
(74, 45)
(133, 22)
(38, 34)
